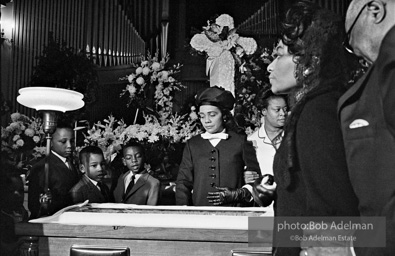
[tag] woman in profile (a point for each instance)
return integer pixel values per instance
(310, 166)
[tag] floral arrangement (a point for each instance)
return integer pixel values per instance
(156, 137)
(151, 88)
(220, 42)
(23, 139)
(251, 78)
(152, 76)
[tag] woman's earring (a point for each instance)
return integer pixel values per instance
(307, 72)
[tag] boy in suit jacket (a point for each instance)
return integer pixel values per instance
(62, 174)
(136, 186)
(91, 187)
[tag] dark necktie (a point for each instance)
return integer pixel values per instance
(103, 190)
(70, 164)
(130, 186)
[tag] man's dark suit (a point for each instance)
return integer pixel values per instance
(86, 190)
(61, 180)
(367, 114)
(144, 192)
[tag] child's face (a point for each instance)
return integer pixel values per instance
(133, 159)
(97, 167)
(63, 142)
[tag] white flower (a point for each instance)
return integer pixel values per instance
(239, 51)
(166, 91)
(139, 70)
(20, 142)
(201, 43)
(144, 63)
(36, 139)
(155, 66)
(164, 74)
(15, 116)
(14, 126)
(225, 20)
(131, 78)
(249, 44)
(131, 89)
(193, 116)
(29, 132)
(140, 80)
(146, 71)
(153, 138)
(16, 137)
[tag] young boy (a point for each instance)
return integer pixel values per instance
(62, 174)
(91, 187)
(136, 186)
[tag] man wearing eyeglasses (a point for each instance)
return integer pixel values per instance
(367, 114)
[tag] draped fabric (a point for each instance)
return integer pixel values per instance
(222, 71)
(163, 38)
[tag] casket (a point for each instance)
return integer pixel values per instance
(119, 229)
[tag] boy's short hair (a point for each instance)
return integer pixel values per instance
(133, 143)
(86, 152)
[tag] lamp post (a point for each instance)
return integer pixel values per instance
(49, 101)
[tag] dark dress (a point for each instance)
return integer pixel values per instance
(204, 166)
(310, 166)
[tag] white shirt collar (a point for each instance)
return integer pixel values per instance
(93, 181)
(64, 159)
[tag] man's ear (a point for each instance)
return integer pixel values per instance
(377, 11)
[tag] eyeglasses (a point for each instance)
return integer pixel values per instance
(346, 42)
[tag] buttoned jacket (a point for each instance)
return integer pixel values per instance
(144, 192)
(204, 166)
(367, 114)
(86, 190)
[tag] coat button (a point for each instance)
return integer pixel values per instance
(213, 176)
(212, 167)
(212, 184)
(212, 159)
(213, 151)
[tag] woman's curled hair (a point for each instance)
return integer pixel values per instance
(314, 36)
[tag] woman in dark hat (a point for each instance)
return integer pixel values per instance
(217, 158)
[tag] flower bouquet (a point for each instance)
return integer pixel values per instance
(158, 138)
(152, 85)
(23, 141)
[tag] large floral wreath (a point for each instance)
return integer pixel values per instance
(220, 42)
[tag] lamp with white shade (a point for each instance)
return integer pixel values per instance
(49, 101)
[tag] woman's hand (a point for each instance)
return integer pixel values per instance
(226, 195)
(250, 177)
(263, 190)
